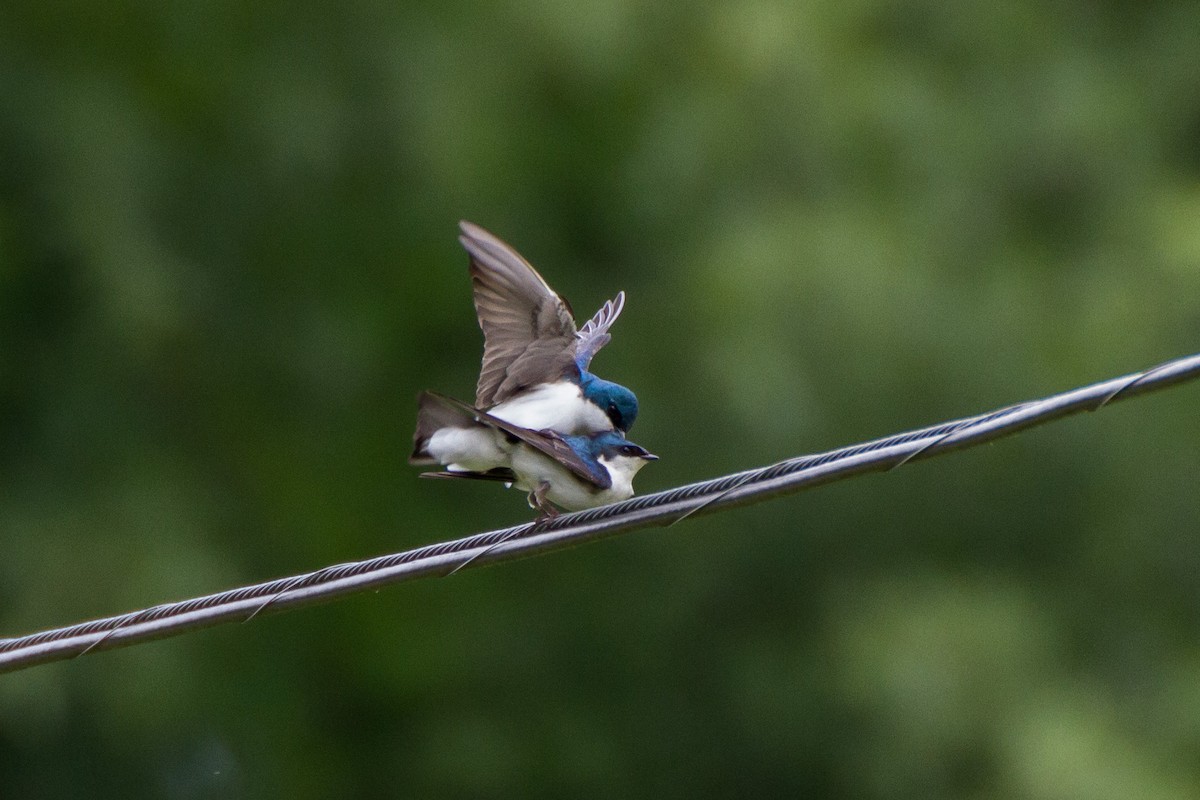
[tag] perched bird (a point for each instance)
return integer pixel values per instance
(535, 363)
(541, 421)
(570, 471)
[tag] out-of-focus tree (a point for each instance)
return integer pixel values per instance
(228, 263)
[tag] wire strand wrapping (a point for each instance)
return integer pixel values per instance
(661, 508)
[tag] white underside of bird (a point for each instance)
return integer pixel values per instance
(556, 407)
(482, 449)
(476, 449)
(564, 488)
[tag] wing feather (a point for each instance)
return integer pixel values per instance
(549, 443)
(594, 334)
(529, 334)
(499, 474)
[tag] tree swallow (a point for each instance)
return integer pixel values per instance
(535, 363)
(571, 471)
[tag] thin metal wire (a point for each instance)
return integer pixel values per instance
(661, 508)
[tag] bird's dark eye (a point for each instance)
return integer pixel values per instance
(629, 450)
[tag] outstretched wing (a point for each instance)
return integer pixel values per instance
(548, 442)
(594, 334)
(528, 330)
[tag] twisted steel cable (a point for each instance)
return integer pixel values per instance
(661, 508)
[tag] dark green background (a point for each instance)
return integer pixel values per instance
(228, 264)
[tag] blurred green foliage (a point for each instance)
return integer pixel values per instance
(228, 263)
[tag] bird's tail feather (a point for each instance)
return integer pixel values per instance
(500, 474)
(435, 412)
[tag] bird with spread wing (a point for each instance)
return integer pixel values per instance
(541, 421)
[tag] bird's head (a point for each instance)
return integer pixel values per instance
(613, 449)
(617, 402)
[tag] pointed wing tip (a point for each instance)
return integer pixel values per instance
(472, 237)
(611, 309)
(442, 474)
(594, 334)
(470, 232)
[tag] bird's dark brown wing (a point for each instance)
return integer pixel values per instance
(528, 330)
